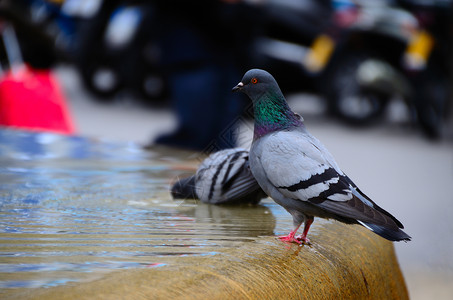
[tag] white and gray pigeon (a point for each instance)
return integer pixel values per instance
(299, 173)
(224, 177)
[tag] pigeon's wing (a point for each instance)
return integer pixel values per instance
(302, 169)
(225, 176)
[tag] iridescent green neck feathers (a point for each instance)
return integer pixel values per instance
(272, 113)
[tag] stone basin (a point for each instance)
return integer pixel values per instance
(86, 219)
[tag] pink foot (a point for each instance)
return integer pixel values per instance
(303, 236)
(289, 239)
(303, 239)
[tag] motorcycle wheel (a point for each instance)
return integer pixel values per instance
(101, 80)
(345, 97)
(431, 98)
(154, 88)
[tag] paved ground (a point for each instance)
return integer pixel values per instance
(403, 172)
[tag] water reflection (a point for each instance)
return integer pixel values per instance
(72, 208)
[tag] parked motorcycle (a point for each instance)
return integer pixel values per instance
(287, 30)
(383, 52)
(431, 79)
(365, 71)
(361, 55)
(114, 50)
(358, 54)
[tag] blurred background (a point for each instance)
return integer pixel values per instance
(371, 78)
(368, 61)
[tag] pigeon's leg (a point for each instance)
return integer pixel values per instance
(290, 237)
(303, 236)
(298, 218)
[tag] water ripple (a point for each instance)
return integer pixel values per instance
(72, 208)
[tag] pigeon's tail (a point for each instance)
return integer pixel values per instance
(184, 188)
(386, 233)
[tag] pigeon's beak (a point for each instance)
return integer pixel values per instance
(238, 87)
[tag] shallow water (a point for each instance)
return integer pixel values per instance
(72, 209)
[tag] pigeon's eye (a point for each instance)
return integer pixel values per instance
(254, 80)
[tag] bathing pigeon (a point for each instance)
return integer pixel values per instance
(222, 178)
(299, 173)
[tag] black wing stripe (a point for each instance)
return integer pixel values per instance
(214, 179)
(340, 187)
(327, 175)
(231, 163)
(241, 173)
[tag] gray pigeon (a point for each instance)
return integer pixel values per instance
(222, 178)
(298, 172)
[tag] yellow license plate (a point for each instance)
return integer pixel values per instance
(419, 49)
(319, 53)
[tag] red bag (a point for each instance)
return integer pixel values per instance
(32, 99)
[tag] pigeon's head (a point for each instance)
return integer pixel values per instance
(271, 111)
(255, 83)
